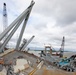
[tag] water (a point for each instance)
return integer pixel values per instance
(35, 53)
(66, 54)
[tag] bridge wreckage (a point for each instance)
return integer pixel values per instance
(20, 62)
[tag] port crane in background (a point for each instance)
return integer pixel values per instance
(62, 47)
(52, 51)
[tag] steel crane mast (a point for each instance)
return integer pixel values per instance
(5, 20)
(62, 47)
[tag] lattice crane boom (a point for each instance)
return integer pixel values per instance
(62, 47)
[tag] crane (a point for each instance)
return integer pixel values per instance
(62, 47)
(5, 20)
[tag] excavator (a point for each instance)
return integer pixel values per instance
(68, 64)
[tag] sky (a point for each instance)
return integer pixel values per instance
(49, 21)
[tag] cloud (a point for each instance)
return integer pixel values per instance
(62, 11)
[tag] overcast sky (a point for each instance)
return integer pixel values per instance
(49, 21)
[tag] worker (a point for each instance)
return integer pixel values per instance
(42, 53)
